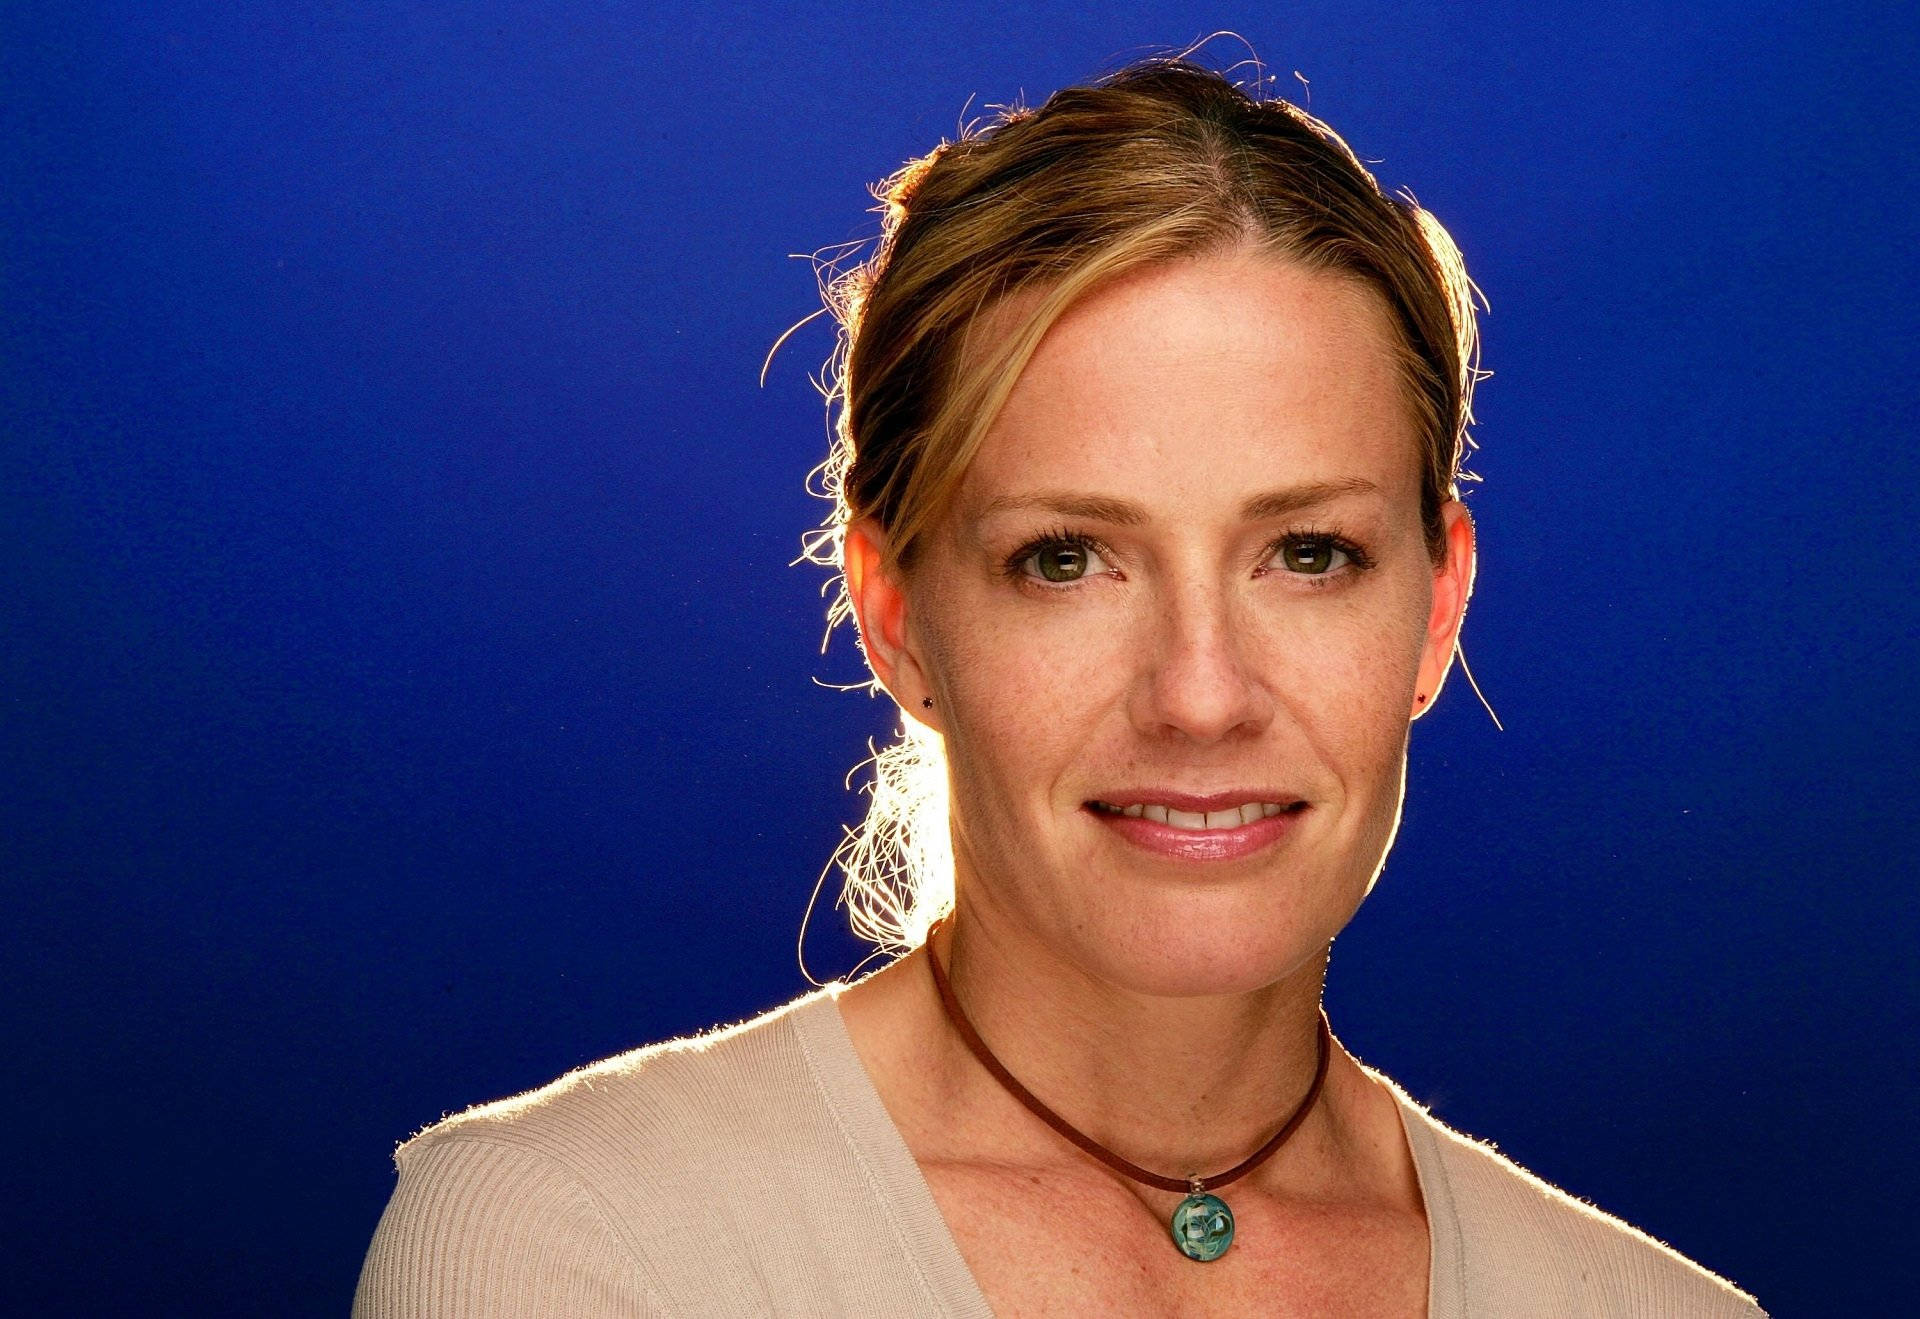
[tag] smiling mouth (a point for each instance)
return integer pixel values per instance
(1197, 821)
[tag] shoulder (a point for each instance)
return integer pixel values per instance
(583, 1183)
(646, 1102)
(1521, 1241)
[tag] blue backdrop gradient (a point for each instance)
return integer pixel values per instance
(407, 696)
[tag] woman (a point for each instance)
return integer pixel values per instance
(1146, 502)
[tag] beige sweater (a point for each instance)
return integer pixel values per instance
(754, 1171)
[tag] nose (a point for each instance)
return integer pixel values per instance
(1198, 677)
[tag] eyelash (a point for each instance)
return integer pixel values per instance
(1357, 559)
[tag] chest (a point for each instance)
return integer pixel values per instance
(1064, 1244)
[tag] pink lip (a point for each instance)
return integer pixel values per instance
(1200, 844)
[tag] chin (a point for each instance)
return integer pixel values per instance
(1202, 944)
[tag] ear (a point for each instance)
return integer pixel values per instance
(1452, 585)
(881, 610)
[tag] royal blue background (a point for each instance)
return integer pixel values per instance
(407, 696)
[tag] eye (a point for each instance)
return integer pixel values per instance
(1312, 555)
(1321, 557)
(1059, 557)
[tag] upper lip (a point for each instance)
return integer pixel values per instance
(1195, 802)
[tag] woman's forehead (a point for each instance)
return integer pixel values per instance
(1228, 376)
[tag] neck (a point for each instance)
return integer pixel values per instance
(1179, 1085)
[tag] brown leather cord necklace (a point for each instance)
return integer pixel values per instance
(1202, 1224)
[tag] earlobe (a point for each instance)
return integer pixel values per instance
(1452, 587)
(880, 613)
(870, 595)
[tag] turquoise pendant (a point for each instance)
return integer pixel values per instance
(1203, 1226)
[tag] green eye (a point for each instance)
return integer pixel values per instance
(1059, 558)
(1062, 563)
(1312, 556)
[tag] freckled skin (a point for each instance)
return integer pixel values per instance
(1188, 656)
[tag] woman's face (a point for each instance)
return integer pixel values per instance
(1187, 562)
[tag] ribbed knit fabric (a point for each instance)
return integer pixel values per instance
(754, 1170)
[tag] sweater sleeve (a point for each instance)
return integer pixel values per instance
(480, 1229)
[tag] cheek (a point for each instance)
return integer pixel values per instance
(1026, 688)
(1021, 682)
(1378, 644)
(1344, 671)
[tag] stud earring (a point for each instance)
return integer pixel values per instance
(926, 702)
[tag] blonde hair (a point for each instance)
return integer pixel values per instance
(1163, 159)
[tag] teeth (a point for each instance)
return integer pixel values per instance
(1228, 819)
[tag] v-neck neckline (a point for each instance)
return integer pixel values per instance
(928, 1242)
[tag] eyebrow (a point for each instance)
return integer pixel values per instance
(1121, 512)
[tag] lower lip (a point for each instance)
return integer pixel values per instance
(1200, 844)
